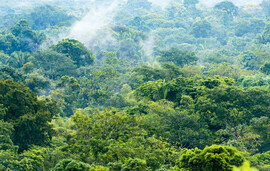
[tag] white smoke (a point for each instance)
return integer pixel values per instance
(147, 47)
(99, 18)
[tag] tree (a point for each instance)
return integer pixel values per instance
(9, 43)
(76, 51)
(71, 165)
(217, 58)
(178, 57)
(45, 16)
(54, 64)
(245, 166)
(253, 60)
(139, 24)
(25, 35)
(265, 37)
(215, 158)
(69, 88)
(262, 160)
(153, 90)
(180, 126)
(6, 131)
(201, 28)
(136, 165)
(18, 59)
(222, 105)
(178, 87)
(7, 72)
(250, 26)
(38, 39)
(116, 138)
(38, 83)
(31, 160)
(28, 115)
(265, 68)
(228, 7)
(22, 27)
(8, 160)
(261, 126)
(147, 73)
(3, 58)
(226, 70)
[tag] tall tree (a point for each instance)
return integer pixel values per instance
(76, 51)
(228, 7)
(215, 158)
(28, 115)
(18, 59)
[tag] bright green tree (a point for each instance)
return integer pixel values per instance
(214, 158)
(71, 165)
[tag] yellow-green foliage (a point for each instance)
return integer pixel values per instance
(99, 168)
(244, 167)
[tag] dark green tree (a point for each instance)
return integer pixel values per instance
(4, 58)
(9, 43)
(6, 132)
(18, 59)
(7, 72)
(76, 51)
(25, 35)
(69, 89)
(265, 68)
(53, 63)
(28, 115)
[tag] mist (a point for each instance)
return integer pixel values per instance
(93, 28)
(94, 21)
(211, 3)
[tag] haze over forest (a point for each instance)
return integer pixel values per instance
(134, 85)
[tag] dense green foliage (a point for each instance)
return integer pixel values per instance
(140, 87)
(28, 115)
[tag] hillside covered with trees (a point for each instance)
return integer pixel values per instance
(134, 85)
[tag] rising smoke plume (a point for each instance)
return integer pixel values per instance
(94, 22)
